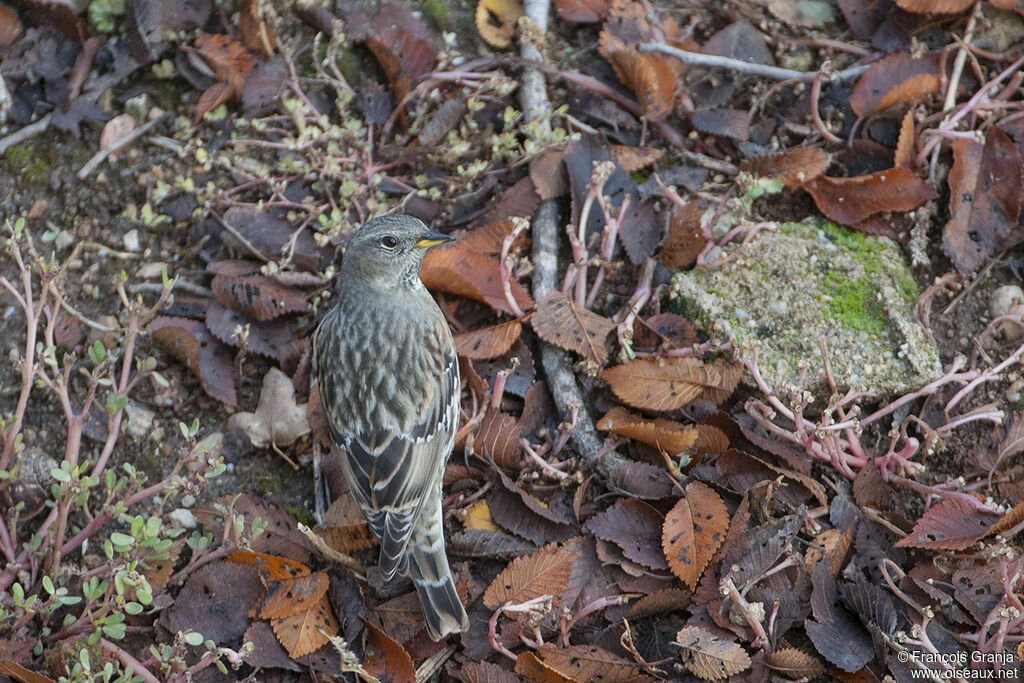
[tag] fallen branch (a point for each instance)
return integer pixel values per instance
(557, 363)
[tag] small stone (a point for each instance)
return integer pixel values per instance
(188, 500)
(151, 271)
(140, 420)
(1000, 303)
(1003, 298)
(182, 518)
(64, 240)
(131, 241)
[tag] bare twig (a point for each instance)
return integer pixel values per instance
(773, 72)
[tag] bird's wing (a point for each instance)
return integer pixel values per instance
(396, 425)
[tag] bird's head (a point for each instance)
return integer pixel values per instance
(388, 251)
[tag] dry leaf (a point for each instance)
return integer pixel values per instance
(386, 658)
(545, 572)
(488, 342)
(694, 529)
(496, 21)
(294, 596)
(708, 656)
(851, 200)
(536, 671)
(191, 343)
(473, 275)
(794, 167)
(308, 631)
(588, 663)
(559, 321)
(671, 383)
(345, 528)
(665, 435)
(278, 419)
(794, 664)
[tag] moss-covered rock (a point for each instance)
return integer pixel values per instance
(788, 289)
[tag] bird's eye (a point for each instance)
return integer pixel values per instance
(389, 241)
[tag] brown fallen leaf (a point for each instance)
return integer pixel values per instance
(665, 435)
(557, 320)
(278, 419)
(670, 383)
(709, 656)
(307, 631)
(545, 572)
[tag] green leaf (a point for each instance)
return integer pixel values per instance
(117, 538)
(60, 475)
(113, 631)
(193, 638)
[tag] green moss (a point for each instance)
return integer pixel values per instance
(264, 481)
(438, 13)
(302, 515)
(854, 303)
(687, 308)
(350, 68)
(28, 163)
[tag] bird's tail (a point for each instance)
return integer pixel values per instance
(430, 573)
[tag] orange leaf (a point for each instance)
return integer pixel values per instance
(935, 6)
(533, 669)
(488, 342)
(671, 383)
(228, 59)
(272, 567)
(255, 33)
(650, 76)
(904, 155)
(685, 238)
(292, 596)
(473, 275)
(386, 659)
(665, 435)
(559, 321)
(345, 528)
(851, 200)
(496, 21)
(478, 516)
(545, 572)
(693, 531)
(308, 631)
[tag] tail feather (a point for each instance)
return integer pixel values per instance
(430, 573)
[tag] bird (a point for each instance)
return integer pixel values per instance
(388, 376)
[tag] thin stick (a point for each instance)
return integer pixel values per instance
(773, 72)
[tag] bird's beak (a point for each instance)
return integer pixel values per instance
(431, 239)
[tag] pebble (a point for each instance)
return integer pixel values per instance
(152, 270)
(140, 420)
(64, 240)
(131, 241)
(1000, 302)
(188, 500)
(182, 518)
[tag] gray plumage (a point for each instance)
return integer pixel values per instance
(389, 385)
